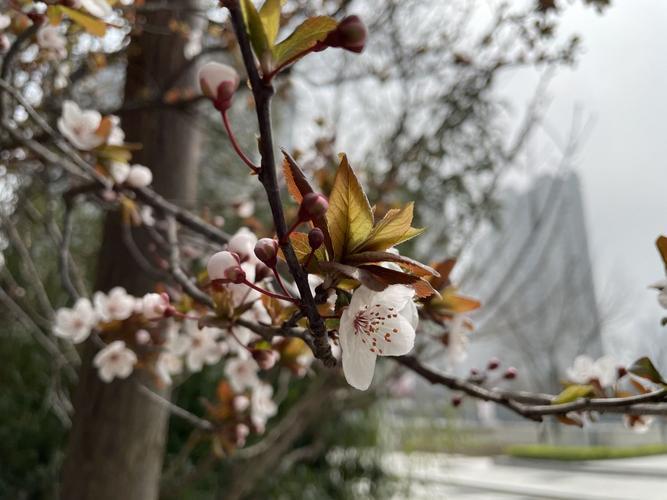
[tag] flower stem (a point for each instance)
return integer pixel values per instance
(269, 293)
(235, 144)
(280, 281)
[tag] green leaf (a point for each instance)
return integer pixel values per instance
(302, 39)
(349, 217)
(572, 393)
(270, 16)
(91, 24)
(644, 368)
(255, 29)
(394, 228)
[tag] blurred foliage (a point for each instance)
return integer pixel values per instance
(551, 452)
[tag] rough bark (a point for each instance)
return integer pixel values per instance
(118, 435)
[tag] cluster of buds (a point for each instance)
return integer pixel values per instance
(218, 82)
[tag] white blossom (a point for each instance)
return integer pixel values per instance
(98, 8)
(194, 45)
(142, 337)
(50, 39)
(241, 403)
(115, 361)
(119, 171)
(76, 323)
(262, 406)
(146, 214)
(5, 21)
(243, 244)
(154, 305)
(584, 370)
(140, 176)
(116, 135)
(245, 209)
(199, 346)
(457, 340)
(376, 324)
(116, 305)
(242, 373)
(80, 126)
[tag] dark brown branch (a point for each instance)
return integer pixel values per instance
(262, 92)
(536, 406)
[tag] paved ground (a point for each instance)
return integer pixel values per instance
(436, 476)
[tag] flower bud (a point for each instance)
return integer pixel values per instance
(266, 359)
(139, 176)
(218, 82)
(510, 373)
(142, 337)
(155, 305)
(315, 238)
(313, 205)
(243, 243)
(457, 400)
(224, 266)
(493, 364)
(241, 403)
(266, 250)
(350, 34)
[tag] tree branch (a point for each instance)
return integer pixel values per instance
(262, 92)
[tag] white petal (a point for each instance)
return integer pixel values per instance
(395, 337)
(358, 360)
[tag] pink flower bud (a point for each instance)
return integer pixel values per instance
(511, 373)
(266, 250)
(315, 238)
(155, 305)
(313, 205)
(221, 264)
(218, 82)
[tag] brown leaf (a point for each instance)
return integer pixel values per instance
(363, 276)
(414, 266)
(298, 186)
(422, 287)
(661, 243)
(445, 269)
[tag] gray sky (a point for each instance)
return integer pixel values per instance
(620, 82)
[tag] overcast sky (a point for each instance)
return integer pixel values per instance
(620, 82)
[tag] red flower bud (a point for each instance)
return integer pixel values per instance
(315, 238)
(350, 34)
(457, 400)
(266, 250)
(510, 373)
(313, 205)
(493, 364)
(353, 34)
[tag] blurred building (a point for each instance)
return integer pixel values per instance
(533, 275)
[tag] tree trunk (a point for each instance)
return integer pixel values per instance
(118, 434)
